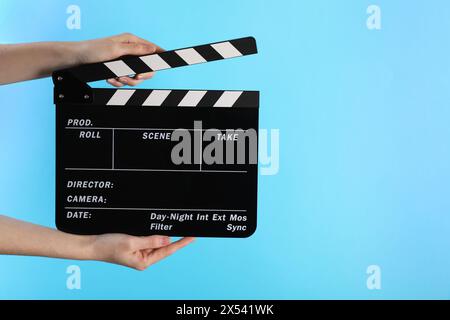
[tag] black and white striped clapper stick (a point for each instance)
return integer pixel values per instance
(130, 65)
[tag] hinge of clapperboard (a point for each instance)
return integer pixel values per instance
(71, 84)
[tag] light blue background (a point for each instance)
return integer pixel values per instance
(364, 151)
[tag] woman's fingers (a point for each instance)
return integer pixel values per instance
(166, 251)
(137, 79)
(129, 37)
(134, 81)
(144, 76)
(151, 249)
(134, 48)
(115, 83)
(158, 48)
(129, 81)
(150, 242)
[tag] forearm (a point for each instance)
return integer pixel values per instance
(23, 238)
(19, 62)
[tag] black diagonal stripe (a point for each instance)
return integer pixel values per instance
(92, 72)
(248, 99)
(174, 98)
(245, 45)
(208, 52)
(136, 64)
(210, 98)
(102, 96)
(138, 97)
(172, 59)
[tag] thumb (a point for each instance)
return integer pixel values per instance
(135, 48)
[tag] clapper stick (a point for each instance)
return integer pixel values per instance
(130, 65)
(71, 84)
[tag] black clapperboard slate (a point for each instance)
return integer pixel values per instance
(114, 171)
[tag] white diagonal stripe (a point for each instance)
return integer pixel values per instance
(228, 98)
(119, 68)
(155, 62)
(192, 98)
(226, 50)
(190, 55)
(156, 97)
(120, 97)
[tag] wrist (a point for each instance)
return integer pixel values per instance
(81, 52)
(98, 249)
(77, 52)
(87, 249)
(73, 53)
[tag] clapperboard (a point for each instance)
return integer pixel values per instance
(169, 162)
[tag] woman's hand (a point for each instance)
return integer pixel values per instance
(135, 252)
(110, 48)
(26, 61)
(23, 238)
